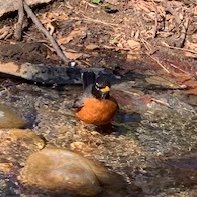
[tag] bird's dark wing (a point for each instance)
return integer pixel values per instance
(78, 103)
(88, 79)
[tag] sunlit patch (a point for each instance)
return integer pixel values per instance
(2, 114)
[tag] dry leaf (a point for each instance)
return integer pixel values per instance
(189, 54)
(192, 91)
(194, 37)
(132, 57)
(92, 46)
(78, 32)
(120, 45)
(112, 2)
(73, 55)
(134, 45)
(145, 6)
(190, 45)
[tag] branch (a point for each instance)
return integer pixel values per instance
(39, 25)
(19, 25)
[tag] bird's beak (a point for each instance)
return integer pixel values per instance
(106, 89)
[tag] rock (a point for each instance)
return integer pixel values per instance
(60, 170)
(17, 144)
(10, 6)
(5, 167)
(9, 118)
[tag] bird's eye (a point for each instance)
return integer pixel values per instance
(97, 86)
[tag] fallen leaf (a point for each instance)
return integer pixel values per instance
(194, 37)
(73, 55)
(112, 2)
(193, 49)
(191, 55)
(92, 46)
(191, 46)
(134, 45)
(78, 32)
(192, 91)
(120, 45)
(145, 6)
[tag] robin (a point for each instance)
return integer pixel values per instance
(96, 106)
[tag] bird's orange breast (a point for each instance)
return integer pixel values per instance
(97, 111)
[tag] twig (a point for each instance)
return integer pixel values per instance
(182, 49)
(161, 102)
(158, 62)
(95, 21)
(183, 33)
(146, 45)
(45, 32)
(176, 67)
(156, 18)
(19, 25)
(149, 49)
(4, 32)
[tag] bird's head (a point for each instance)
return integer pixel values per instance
(101, 88)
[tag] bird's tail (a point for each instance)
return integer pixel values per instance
(88, 78)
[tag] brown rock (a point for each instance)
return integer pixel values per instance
(60, 170)
(9, 118)
(5, 167)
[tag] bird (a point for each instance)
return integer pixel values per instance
(96, 106)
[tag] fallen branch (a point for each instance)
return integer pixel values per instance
(39, 25)
(19, 25)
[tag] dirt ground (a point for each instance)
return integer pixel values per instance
(125, 36)
(114, 33)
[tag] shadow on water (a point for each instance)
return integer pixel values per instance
(177, 172)
(126, 123)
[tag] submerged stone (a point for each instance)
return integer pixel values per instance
(17, 144)
(60, 170)
(9, 118)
